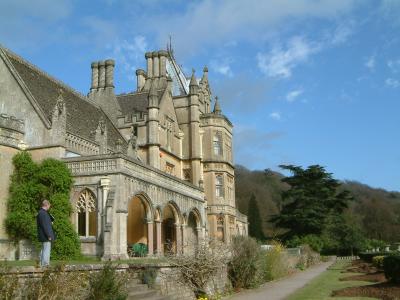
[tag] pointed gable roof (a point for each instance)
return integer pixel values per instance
(83, 115)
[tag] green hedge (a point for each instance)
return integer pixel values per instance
(391, 266)
(367, 257)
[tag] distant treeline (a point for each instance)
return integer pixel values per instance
(377, 210)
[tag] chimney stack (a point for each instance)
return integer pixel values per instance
(163, 62)
(109, 73)
(149, 57)
(95, 75)
(156, 65)
(102, 74)
(141, 79)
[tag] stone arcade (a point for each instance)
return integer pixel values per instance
(153, 166)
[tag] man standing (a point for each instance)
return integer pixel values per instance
(45, 233)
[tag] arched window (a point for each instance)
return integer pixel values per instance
(219, 185)
(217, 144)
(220, 227)
(86, 214)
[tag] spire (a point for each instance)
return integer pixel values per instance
(204, 79)
(217, 108)
(193, 86)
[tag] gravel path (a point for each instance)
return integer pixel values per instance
(280, 289)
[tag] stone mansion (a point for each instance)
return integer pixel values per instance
(152, 166)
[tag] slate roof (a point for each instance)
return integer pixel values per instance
(82, 115)
(133, 102)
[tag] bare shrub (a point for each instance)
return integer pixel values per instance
(246, 266)
(196, 268)
(56, 283)
(8, 283)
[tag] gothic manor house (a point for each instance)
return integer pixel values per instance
(153, 166)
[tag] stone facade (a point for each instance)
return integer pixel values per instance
(154, 166)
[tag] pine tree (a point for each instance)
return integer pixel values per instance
(253, 214)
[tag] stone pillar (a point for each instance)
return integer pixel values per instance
(178, 234)
(109, 64)
(150, 238)
(185, 242)
(140, 79)
(156, 65)
(95, 75)
(102, 74)
(149, 58)
(160, 247)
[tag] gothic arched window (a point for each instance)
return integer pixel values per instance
(86, 214)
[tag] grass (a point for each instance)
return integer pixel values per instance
(86, 260)
(321, 287)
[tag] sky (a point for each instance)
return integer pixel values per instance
(303, 81)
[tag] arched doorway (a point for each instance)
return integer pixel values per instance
(169, 230)
(137, 228)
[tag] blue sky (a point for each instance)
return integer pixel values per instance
(304, 81)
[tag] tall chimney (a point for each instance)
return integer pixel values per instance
(156, 65)
(95, 75)
(149, 57)
(163, 62)
(110, 63)
(102, 74)
(141, 79)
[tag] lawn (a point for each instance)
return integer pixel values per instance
(86, 260)
(321, 287)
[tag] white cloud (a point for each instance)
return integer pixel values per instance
(391, 82)
(129, 54)
(217, 22)
(275, 116)
(280, 62)
(342, 33)
(370, 63)
(292, 95)
(222, 67)
(394, 65)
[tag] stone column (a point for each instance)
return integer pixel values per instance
(160, 247)
(150, 238)
(163, 62)
(178, 234)
(185, 242)
(95, 75)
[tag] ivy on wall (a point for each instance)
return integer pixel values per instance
(32, 182)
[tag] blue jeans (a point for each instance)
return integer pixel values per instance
(45, 254)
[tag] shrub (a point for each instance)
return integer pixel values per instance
(197, 268)
(377, 261)
(367, 257)
(30, 183)
(8, 283)
(275, 261)
(246, 267)
(55, 283)
(107, 284)
(315, 242)
(148, 276)
(391, 266)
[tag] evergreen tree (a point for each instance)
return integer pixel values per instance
(313, 195)
(32, 182)
(253, 215)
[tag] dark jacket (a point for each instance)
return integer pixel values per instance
(44, 227)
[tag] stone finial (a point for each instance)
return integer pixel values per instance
(60, 103)
(217, 107)
(193, 86)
